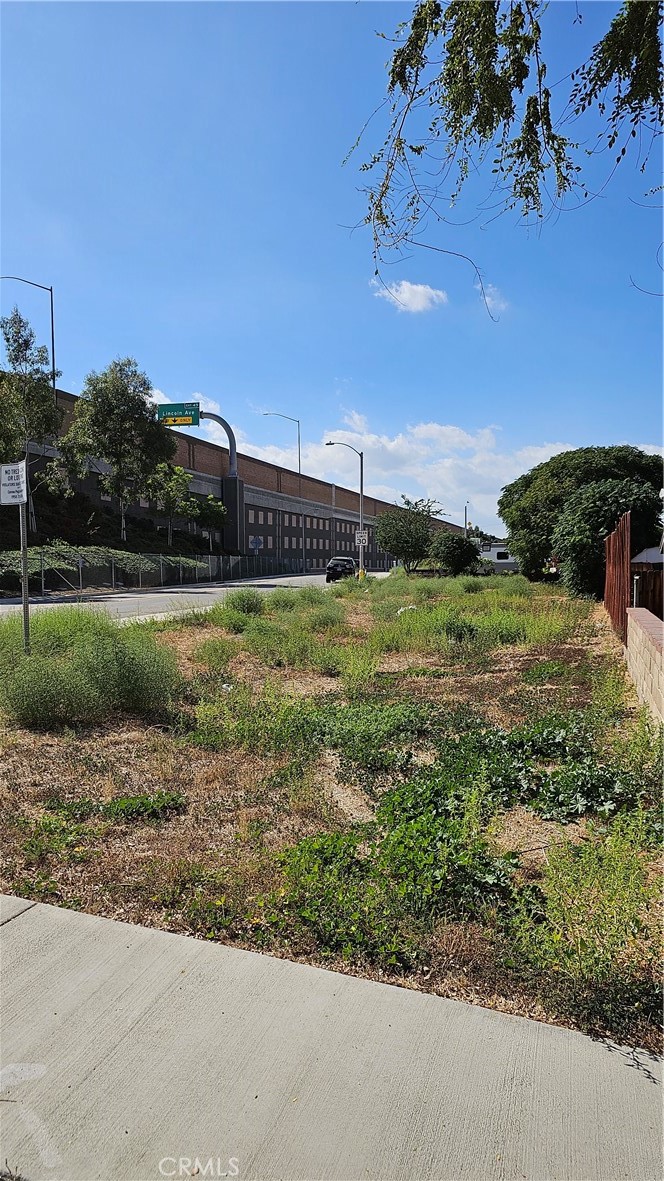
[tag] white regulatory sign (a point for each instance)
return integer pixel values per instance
(361, 537)
(13, 483)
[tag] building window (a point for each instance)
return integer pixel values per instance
(104, 496)
(269, 541)
(502, 556)
(250, 516)
(269, 518)
(260, 518)
(143, 502)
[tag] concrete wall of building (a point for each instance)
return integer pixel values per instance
(645, 660)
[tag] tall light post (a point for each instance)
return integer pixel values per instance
(333, 443)
(18, 279)
(276, 414)
(465, 518)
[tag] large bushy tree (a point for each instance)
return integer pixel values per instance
(114, 422)
(468, 85)
(531, 505)
(590, 514)
(405, 531)
(29, 412)
(452, 552)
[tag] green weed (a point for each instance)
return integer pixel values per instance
(246, 600)
(215, 653)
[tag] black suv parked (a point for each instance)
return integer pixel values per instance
(340, 568)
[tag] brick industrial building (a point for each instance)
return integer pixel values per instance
(266, 504)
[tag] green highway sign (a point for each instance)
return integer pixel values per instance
(179, 414)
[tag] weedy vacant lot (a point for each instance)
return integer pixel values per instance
(446, 784)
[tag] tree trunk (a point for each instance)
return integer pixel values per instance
(170, 532)
(123, 523)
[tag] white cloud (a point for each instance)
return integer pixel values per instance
(357, 422)
(495, 300)
(410, 297)
(437, 460)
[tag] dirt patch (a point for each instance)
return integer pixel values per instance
(351, 801)
(521, 831)
(185, 641)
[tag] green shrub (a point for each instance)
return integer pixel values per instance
(230, 619)
(84, 667)
(329, 617)
(41, 693)
(459, 630)
(282, 600)
(246, 600)
(311, 596)
(588, 515)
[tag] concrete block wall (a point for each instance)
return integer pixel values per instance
(645, 657)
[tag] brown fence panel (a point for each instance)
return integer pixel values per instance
(618, 574)
(649, 588)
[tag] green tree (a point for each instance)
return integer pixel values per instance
(212, 515)
(405, 531)
(475, 531)
(169, 489)
(468, 85)
(589, 515)
(29, 410)
(114, 422)
(452, 552)
(531, 505)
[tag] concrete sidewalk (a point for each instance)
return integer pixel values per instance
(128, 1052)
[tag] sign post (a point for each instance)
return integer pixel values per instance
(14, 490)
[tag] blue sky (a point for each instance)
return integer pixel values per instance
(175, 171)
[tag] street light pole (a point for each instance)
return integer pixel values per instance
(276, 414)
(333, 443)
(18, 279)
(465, 518)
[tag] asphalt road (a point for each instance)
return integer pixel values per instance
(127, 1052)
(167, 600)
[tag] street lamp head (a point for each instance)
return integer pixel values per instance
(329, 443)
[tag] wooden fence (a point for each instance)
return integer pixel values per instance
(617, 580)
